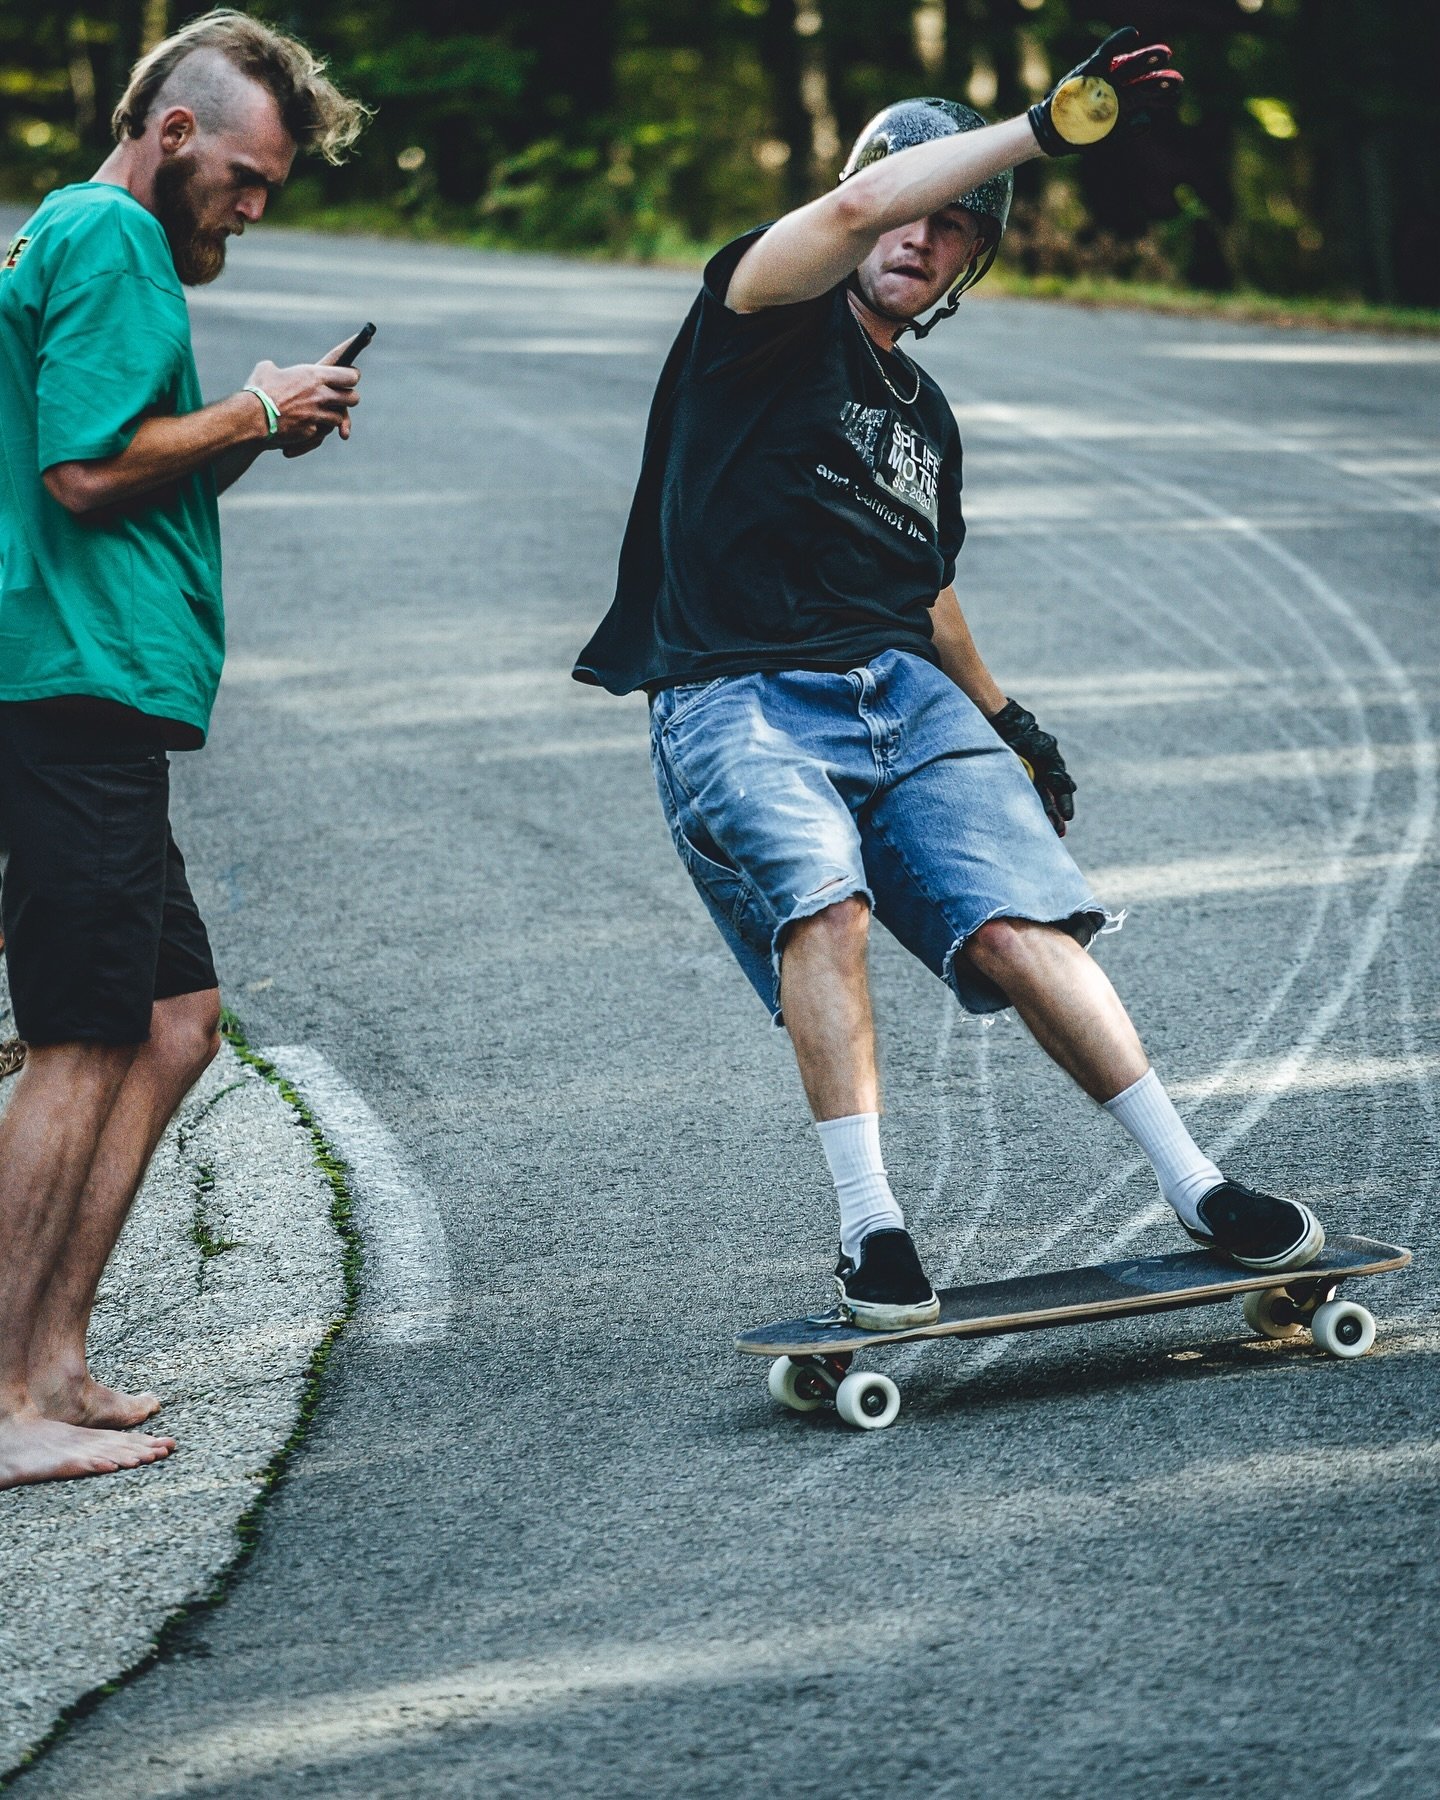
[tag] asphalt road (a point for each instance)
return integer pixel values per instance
(573, 1548)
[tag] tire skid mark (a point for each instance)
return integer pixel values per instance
(1340, 843)
(1426, 1178)
(1417, 833)
(1338, 847)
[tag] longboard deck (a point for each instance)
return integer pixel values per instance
(1077, 1296)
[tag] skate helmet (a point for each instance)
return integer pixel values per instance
(918, 121)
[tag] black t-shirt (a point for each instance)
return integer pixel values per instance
(793, 511)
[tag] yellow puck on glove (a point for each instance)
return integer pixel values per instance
(1084, 109)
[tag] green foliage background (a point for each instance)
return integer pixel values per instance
(1302, 162)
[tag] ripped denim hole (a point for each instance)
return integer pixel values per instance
(824, 887)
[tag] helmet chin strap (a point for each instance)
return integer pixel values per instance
(922, 328)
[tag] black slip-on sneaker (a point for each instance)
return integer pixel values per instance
(1257, 1230)
(888, 1291)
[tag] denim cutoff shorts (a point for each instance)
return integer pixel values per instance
(787, 793)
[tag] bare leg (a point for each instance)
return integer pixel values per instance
(825, 995)
(183, 1041)
(1061, 993)
(1066, 999)
(48, 1134)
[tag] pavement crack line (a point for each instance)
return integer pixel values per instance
(285, 1352)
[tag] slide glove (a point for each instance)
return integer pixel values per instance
(1116, 89)
(1043, 762)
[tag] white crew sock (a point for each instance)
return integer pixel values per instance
(1184, 1172)
(852, 1148)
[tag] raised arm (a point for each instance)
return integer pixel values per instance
(818, 245)
(811, 249)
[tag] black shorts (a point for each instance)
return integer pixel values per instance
(98, 916)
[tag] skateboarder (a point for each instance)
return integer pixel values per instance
(826, 739)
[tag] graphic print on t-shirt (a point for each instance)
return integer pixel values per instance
(899, 459)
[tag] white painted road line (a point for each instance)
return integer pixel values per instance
(405, 1292)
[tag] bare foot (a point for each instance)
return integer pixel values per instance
(33, 1448)
(90, 1402)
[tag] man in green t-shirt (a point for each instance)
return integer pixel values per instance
(111, 641)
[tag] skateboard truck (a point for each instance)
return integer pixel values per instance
(1343, 1328)
(862, 1398)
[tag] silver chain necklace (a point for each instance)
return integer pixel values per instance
(904, 399)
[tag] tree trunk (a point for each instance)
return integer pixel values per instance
(575, 70)
(154, 23)
(780, 52)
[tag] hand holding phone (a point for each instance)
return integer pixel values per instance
(342, 358)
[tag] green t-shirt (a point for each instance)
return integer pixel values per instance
(94, 338)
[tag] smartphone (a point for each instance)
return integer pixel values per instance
(355, 346)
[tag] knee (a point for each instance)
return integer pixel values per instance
(185, 1032)
(836, 931)
(997, 945)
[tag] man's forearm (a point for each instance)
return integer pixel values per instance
(959, 658)
(161, 451)
(914, 183)
(230, 465)
(811, 249)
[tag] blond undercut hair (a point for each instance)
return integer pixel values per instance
(312, 109)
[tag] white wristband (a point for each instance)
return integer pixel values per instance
(272, 411)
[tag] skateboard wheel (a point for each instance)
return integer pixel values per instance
(1342, 1328)
(792, 1384)
(868, 1401)
(1259, 1309)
